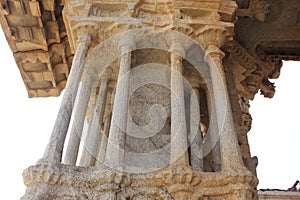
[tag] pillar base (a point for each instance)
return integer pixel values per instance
(69, 182)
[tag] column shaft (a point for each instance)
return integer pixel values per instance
(179, 155)
(55, 146)
(195, 131)
(94, 135)
(117, 133)
(103, 144)
(212, 136)
(81, 104)
(230, 151)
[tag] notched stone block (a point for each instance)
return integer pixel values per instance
(52, 32)
(35, 67)
(34, 8)
(48, 5)
(44, 73)
(19, 7)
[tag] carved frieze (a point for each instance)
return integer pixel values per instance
(62, 181)
(184, 16)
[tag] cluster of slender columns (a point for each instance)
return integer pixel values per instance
(81, 104)
(93, 138)
(117, 132)
(110, 139)
(55, 146)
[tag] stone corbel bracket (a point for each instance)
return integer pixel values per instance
(257, 10)
(251, 74)
(37, 36)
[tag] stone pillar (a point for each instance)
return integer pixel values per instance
(195, 129)
(214, 134)
(55, 146)
(103, 145)
(117, 133)
(179, 155)
(93, 138)
(211, 145)
(229, 147)
(81, 104)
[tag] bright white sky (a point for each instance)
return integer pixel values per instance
(27, 125)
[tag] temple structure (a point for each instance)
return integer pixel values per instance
(156, 92)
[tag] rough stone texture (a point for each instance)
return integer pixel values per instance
(240, 45)
(61, 181)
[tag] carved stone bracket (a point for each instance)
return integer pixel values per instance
(257, 10)
(36, 34)
(251, 73)
(45, 73)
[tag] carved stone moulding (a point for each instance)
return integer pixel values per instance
(111, 18)
(160, 10)
(279, 50)
(252, 72)
(63, 182)
(22, 28)
(45, 73)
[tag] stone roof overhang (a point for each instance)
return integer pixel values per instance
(36, 34)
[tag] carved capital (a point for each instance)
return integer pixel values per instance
(88, 31)
(127, 44)
(214, 35)
(214, 55)
(84, 40)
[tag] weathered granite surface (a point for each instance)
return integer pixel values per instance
(163, 87)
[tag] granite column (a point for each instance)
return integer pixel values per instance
(117, 133)
(55, 146)
(179, 155)
(94, 135)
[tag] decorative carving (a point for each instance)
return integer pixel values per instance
(267, 88)
(252, 74)
(227, 10)
(61, 181)
(19, 7)
(182, 176)
(258, 9)
(44, 73)
(35, 8)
